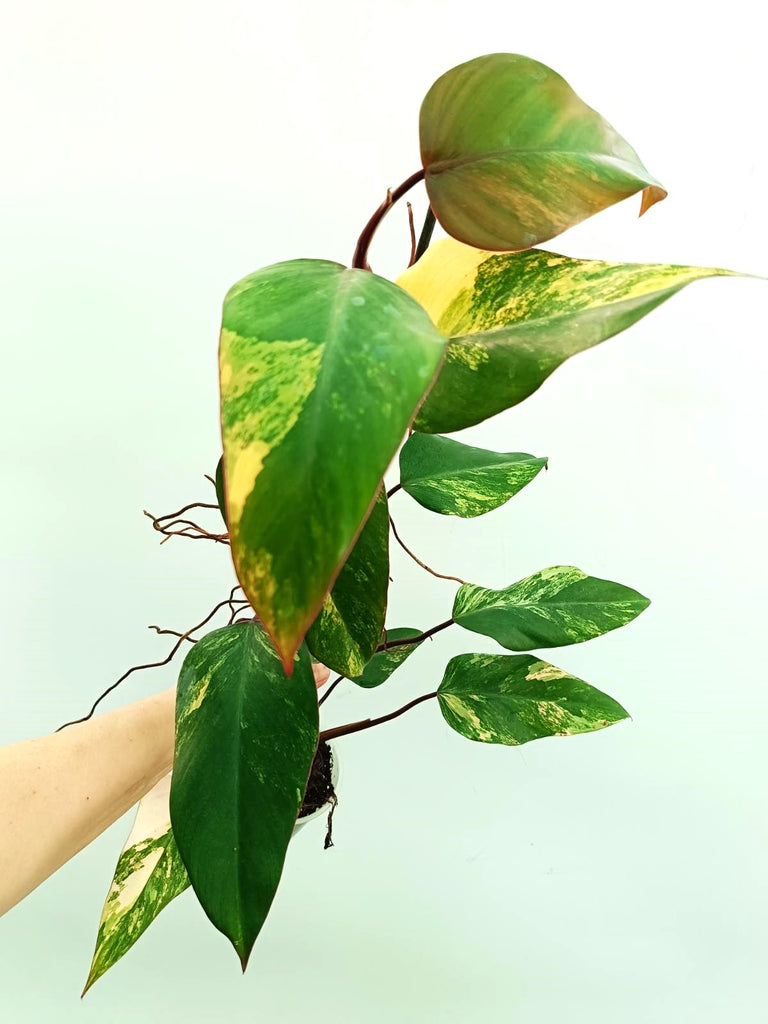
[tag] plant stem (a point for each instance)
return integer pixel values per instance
(330, 690)
(368, 723)
(418, 561)
(412, 232)
(426, 235)
(360, 259)
(406, 641)
(394, 490)
(415, 639)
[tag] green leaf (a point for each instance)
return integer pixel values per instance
(349, 627)
(149, 874)
(515, 698)
(219, 480)
(513, 318)
(513, 156)
(382, 665)
(553, 608)
(322, 369)
(457, 480)
(246, 735)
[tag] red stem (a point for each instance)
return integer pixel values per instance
(368, 723)
(360, 259)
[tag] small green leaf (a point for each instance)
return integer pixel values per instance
(553, 608)
(246, 735)
(349, 627)
(322, 369)
(383, 664)
(512, 699)
(149, 874)
(457, 480)
(513, 156)
(513, 318)
(219, 480)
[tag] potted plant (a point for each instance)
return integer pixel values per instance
(325, 373)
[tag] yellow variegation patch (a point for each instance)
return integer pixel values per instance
(264, 387)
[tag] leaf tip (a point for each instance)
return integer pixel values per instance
(287, 657)
(244, 955)
(652, 194)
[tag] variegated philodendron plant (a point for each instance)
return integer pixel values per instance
(325, 371)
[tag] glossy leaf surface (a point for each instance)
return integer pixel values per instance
(553, 608)
(348, 629)
(321, 371)
(455, 479)
(246, 735)
(513, 156)
(513, 318)
(512, 699)
(384, 663)
(149, 874)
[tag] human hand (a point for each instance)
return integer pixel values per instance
(321, 673)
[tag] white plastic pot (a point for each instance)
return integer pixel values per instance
(322, 812)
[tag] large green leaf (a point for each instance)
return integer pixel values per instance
(383, 664)
(322, 369)
(149, 874)
(246, 735)
(553, 608)
(349, 627)
(514, 698)
(458, 480)
(513, 318)
(513, 157)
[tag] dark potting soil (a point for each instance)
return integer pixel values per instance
(319, 788)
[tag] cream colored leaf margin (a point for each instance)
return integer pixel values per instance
(149, 874)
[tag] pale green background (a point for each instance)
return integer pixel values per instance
(156, 152)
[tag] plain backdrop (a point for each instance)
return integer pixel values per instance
(155, 152)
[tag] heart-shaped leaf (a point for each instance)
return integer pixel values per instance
(512, 699)
(512, 156)
(458, 480)
(383, 664)
(349, 627)
(246, 735)
(553, 608)
(513, 318)
(322, 369)
(149, 874)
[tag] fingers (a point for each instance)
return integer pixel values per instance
(321, 673)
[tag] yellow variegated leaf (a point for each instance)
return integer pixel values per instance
(512, 156)
(513, 699)
(322, 369)
(149, 874)
(514, 317)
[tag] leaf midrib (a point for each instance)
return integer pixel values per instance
(549, 604)
(553, 318)
(455, 163)
(451, 474)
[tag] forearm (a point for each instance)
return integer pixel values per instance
(59, 792)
